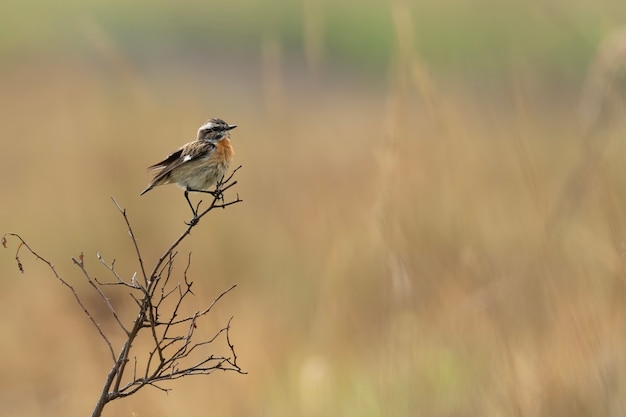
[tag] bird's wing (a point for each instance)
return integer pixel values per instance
(188, 153)
(171, 158)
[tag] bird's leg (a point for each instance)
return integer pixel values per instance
(217, 194)
(213, 193)
(189, 202)
(193, 210)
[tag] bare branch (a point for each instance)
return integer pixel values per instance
(230, 345)
(23, 244)
(206, 310)
(81, 264)
(119, 280)
(177, 349)
(132, 236)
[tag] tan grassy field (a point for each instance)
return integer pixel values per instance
(406, 246)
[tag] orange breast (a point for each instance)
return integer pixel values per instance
(223, 152)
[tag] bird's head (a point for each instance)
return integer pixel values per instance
(214, 130)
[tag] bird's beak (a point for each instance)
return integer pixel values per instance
(230, 127)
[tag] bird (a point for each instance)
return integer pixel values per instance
(198, 165)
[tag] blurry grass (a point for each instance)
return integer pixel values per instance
(476, 38)
(390, 251)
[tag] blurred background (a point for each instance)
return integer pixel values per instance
(434, 200)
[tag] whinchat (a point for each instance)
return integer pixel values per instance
(197, 165)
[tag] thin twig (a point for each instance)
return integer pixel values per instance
(81, 264)
(132, 236)
(61, 280)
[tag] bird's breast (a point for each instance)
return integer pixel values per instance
(223, 152)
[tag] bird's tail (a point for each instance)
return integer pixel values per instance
(147, 189)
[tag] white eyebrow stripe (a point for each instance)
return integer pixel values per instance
(206, 126)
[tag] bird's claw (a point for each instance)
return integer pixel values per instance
(194, 220)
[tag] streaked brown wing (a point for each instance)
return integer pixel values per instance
(186, 154)
(167, 161)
